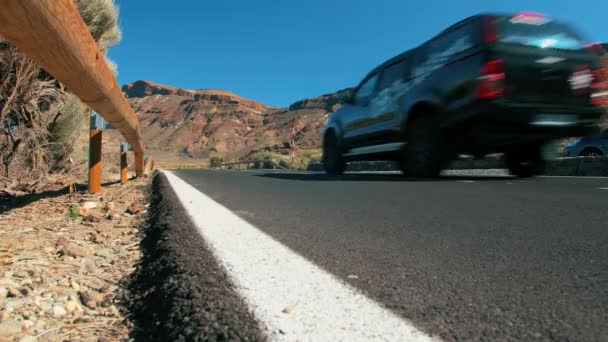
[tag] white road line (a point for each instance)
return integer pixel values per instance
(581, 177)
(272, 277)
(603, 188)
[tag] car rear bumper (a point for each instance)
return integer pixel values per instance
(502, 123)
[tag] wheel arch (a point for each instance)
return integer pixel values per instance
(419, 109)
(591, 148)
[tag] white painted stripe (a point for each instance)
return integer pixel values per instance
(581, 177)
(271, 277)
(603, 188)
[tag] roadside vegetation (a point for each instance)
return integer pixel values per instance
(39, 118)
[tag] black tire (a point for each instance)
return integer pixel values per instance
(424, 152)
(591, 152)
(524, 161)
(333, 161)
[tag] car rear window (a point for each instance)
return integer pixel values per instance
(538, 31)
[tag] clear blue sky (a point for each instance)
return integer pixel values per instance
(280, 51)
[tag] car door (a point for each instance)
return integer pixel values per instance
(356, 122)
(384, 126)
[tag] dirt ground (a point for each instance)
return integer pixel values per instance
(64, 259)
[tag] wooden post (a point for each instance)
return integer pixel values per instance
(139, 164)
(123, 165)
(95, 161)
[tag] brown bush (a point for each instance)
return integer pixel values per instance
(29, 106)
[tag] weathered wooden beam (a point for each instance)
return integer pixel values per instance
(54, 35)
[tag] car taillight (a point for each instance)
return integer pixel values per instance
(581, 79)
(491, 83)
(599, 86)
(595, 48)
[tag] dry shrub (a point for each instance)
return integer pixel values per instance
(29, 106)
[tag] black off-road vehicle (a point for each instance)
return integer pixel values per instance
(488, 84)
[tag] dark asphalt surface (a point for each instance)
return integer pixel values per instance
(492, 259)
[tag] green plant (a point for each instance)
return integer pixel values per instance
(73, 213)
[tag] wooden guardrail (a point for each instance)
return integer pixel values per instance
(53, 34)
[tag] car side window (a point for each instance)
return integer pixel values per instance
(392, 74)
(444, 48)
(366, 91)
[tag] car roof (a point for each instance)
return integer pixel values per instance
(397, 58)
(402, 55)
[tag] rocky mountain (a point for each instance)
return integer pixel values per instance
(206, 122)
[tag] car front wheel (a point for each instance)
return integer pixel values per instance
(424, 154)
(333, 161)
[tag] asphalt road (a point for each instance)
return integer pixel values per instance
(462, 258)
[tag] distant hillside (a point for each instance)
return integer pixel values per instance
(206, 122)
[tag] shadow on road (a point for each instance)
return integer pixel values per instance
(320, 177)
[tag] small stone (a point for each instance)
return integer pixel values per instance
(89, 265)
(83, 211)
(96, 238)
(27, 324)
(353, 276)
(289, 309)
(114, 310)
(3, 292)
(89, 205)
(88, 299)
(4, 316)
(58, 311)
(92, 218)
(113, 216)
(13, 292)
(134, 209)
(104, 229)
(25, 290)
(40, 324)
(28, 338)
(74, 285)
(46, 305)
(74, 250)
(110, 206)
(14, 304)
(62, 241)
(21, 274)
(10, 327)
(72, 306)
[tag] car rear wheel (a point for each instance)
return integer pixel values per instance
(524, 161)
(423, 154)
(591, 152)
(333, 161)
